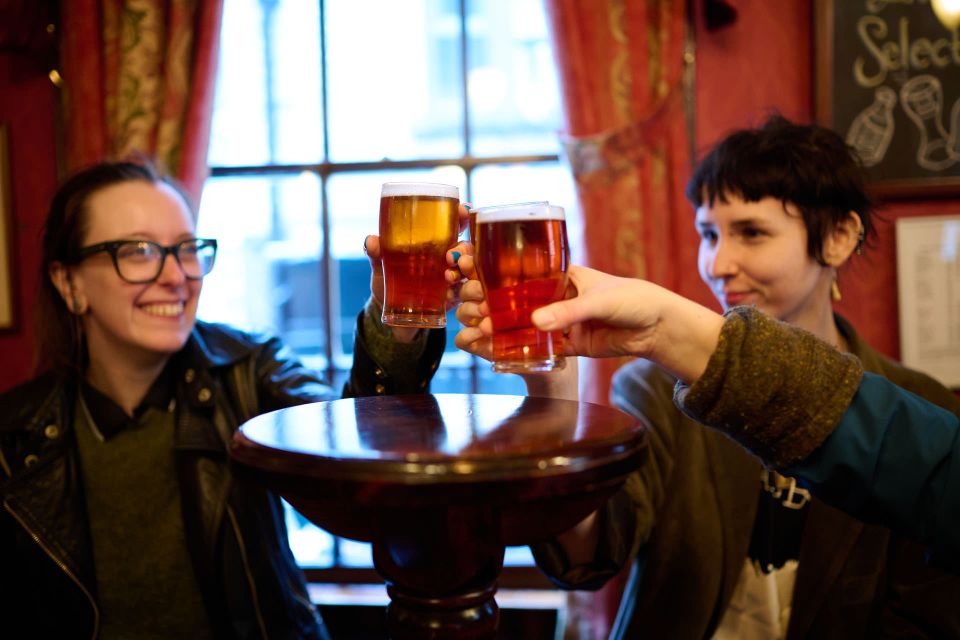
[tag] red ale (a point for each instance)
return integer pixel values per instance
(522, 258)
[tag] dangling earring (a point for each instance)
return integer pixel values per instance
(859, 249)
(76, 307)
(835, 291)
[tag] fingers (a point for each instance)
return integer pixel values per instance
(561, 316)
(371, 247)
(464, 248)
(468, 314)
(467, 337)
(464, 214)
(553, 317)
(453, 294)
(471, 291)
(454, 255)
(576, 308)
(473, 340)
(453, 276)
(468, 266)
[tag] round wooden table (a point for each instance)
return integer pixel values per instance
(440, 484)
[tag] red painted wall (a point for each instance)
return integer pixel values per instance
(764, 62)
(27, 108)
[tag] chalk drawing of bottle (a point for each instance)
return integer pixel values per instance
(872, 129)
(922, 100)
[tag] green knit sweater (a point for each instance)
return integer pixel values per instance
(776, 389)
(145, 580)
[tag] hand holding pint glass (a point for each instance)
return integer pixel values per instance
(419, 222)
(521, 255)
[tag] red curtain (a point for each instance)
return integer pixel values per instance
(621, 66)
(138, 80)
(621, 70)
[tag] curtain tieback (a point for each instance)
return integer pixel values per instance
(607, 155)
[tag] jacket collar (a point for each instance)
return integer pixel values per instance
(872, 361)
(206, 349)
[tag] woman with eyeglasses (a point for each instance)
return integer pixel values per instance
(121, 518)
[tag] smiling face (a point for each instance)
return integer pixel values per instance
(135, 323)
(755, 253)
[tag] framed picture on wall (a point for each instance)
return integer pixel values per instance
(928, 289)
(886, 78)
(7, 299)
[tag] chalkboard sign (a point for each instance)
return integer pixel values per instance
(888, 79)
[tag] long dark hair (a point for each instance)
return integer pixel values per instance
(59, 342)
(808, 166)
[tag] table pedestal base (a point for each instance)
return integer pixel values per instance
(470, 616)
(441, 568)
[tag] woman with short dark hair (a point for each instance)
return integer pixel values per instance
(720, 546)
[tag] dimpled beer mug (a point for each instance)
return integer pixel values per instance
(522, 256)
(418, 224)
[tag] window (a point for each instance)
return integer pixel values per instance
(319, 102)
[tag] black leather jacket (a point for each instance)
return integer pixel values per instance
(236, 536)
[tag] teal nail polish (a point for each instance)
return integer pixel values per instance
(456, 257)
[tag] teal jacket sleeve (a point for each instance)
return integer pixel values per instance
(860, 442)
(893, 459)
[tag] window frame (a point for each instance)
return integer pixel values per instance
(325, 169)
(513, 576)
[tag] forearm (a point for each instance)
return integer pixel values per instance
(595, 550)
(686, 337)
(561, 384)
(580, 542)
(776, 389)
(894, 458)
(384, 366)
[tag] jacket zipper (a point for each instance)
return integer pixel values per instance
(63, 567)
(247, 572)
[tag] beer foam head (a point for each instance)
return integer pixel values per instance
(520, 211)
(392, 189)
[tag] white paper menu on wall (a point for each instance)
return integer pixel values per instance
(928, 286)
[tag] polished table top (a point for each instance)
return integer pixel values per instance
(437, 439)
(440, 484)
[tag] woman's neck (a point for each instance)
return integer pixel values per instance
(821, 323)
(816, 316)
(126, 383)
(826, 329)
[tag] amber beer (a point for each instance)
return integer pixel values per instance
(418, 224)
(522, 257)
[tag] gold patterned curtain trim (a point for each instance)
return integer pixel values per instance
(601, 158)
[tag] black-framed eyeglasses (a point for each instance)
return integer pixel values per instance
(141, 261)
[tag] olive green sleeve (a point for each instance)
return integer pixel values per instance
(397, 357)
(776, 389)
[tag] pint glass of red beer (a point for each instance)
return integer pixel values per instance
(522, 256)
(418, 225)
